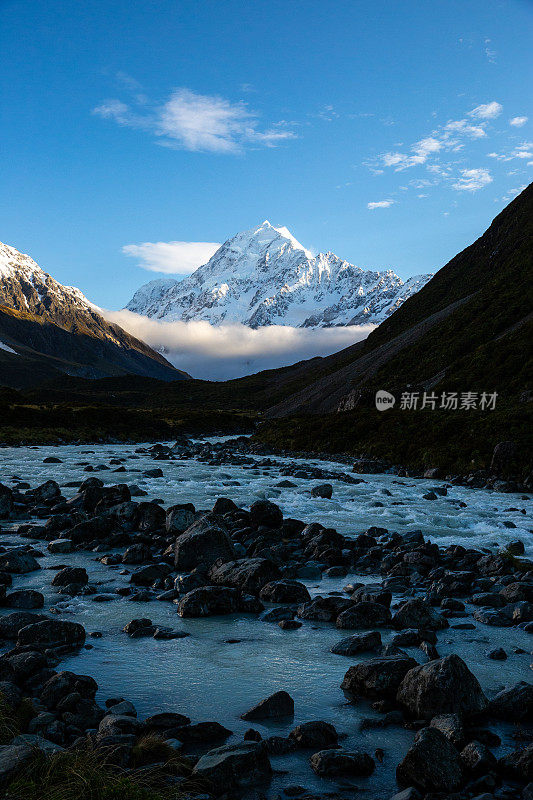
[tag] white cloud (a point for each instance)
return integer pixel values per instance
(514, 192)
(114, 109)
(421, 151)
(463, 127)
(199, 122)
(230, 351)
(486, 111)
(380, 204)
(447, 138)
(172, 258)
(524, 150)
(517, 122)
(473, 179)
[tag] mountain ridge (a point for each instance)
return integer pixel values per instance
(264, 276)
(478, 298)
(47, 329)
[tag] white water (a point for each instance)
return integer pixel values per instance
(208, 679)
(352, 509)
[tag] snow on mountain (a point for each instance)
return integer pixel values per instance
(264, 276)
(24, 286)
(94, 346)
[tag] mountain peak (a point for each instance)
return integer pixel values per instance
(12, 261)
(264, 276)
(268, 233)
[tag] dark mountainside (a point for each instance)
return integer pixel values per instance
(46, 351)
(468, 329)
(449, 335)
(53, 329)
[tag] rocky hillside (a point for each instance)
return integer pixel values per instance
(47, 328)
(264, 276)
(466, 329)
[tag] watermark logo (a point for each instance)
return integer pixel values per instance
(448, 401)
(384, 400)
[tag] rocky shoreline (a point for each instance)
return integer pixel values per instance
(231, 560)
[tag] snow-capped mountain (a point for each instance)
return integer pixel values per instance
(24, 286)
(41, 318)
(264, 276)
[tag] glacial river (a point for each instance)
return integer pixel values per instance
(227, 664)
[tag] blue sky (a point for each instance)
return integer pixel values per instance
(126, 123)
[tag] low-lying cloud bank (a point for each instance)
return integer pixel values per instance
(234, 350)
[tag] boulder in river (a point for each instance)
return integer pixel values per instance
(324, 490)
(378, 677)
(179, 518)
(150, 517)
(342, 763)
(477, 759)
(443, 686)
(431, 764)
(53, 633)
(263, 512)
(165, 723)
(246, 574)
(418, 613)
(59, 546)
(279, 704)
(518, 764)
(514, 704)
(6, 501)
(310, 735)
(358, 643)
(324, 609)
(146, 576)
(64, 684)
(234, 765)
(364, 615)
(18, 562)
(203, 543)
(285, 591)
(24, 598)
(48, 490)
(11, 624)
(69, 575)
(208, 601)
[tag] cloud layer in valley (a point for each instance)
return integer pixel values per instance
(172, 258)
(233, 350)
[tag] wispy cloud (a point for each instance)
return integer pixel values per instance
(489, 52)
(380, 204)
(196, 122)
(116, 110)
(517, 122)
(521, 151)
(328, 113)
(511, 193)
(229, 351)
(172, 258)
(448, 138)
(420, 153)
(486, 111)
(473, 179)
